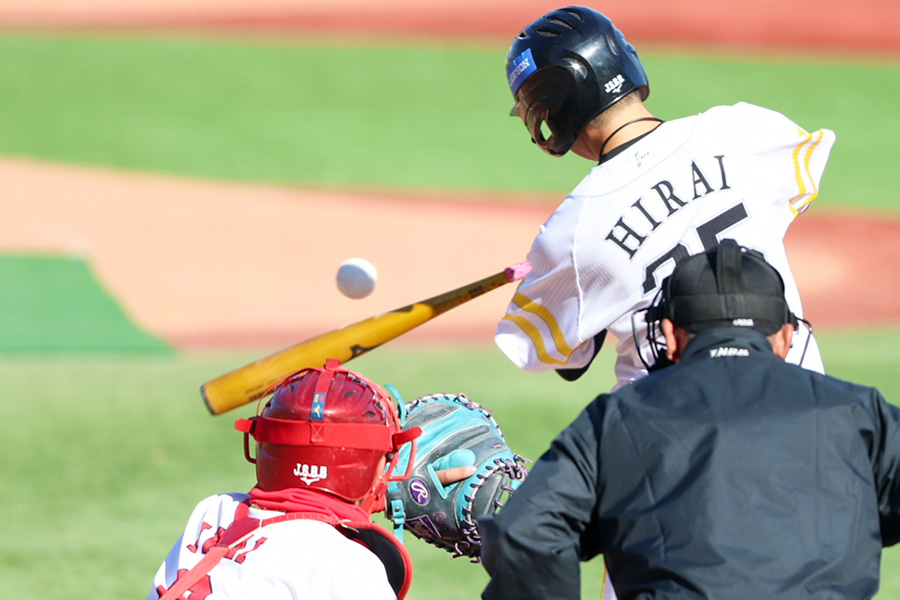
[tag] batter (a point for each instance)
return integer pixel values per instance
(661, 191)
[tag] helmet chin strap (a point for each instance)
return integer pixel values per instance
(623, 126)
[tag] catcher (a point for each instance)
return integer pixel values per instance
(329, 442)
(326, 448)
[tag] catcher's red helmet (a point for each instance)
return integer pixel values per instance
(328, 429)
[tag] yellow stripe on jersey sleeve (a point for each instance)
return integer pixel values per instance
(801, 169)
(532, 332)
(528, 305)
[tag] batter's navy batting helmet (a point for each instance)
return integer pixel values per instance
(566, 68)
(327, 430)
(727, 286)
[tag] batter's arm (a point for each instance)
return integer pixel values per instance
(574, 374)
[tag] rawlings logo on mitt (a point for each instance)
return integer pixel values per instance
(456, 432)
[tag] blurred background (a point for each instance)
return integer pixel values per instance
(181, 180)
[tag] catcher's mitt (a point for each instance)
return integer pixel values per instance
(456, 432)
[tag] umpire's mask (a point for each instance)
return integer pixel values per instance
(726, 286)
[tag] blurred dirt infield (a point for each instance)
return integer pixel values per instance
(205, 264)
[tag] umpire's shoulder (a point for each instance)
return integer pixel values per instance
(833, 390)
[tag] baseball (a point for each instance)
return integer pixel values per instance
(356, 278)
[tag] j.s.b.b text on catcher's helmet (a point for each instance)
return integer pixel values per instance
(566, 68)
(328, 430)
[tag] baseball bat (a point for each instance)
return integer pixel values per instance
(251, 382)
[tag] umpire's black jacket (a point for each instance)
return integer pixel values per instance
(732, 475)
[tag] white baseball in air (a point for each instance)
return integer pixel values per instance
(356, 278)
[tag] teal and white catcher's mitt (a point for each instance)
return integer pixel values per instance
(456, 432)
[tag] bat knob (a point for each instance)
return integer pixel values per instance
(518, 271)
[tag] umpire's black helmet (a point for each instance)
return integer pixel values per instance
(571, 65)
(727, 286)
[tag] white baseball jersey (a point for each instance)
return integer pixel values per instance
(741, 172)
(298, 558)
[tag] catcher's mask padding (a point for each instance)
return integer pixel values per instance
(328, 429)
(602, 69)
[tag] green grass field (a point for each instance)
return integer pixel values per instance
(54, 305)
(105, 457)
(387, 115)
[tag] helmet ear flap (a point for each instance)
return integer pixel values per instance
(535, 118)
(551, 100)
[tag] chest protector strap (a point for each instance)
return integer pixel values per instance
(392, 553)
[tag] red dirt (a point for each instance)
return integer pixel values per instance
(864, 25)
(206, 263)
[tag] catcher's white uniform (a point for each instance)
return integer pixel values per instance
(298, 558)
(741, 172)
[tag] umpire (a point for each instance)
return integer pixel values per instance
(730, 475)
